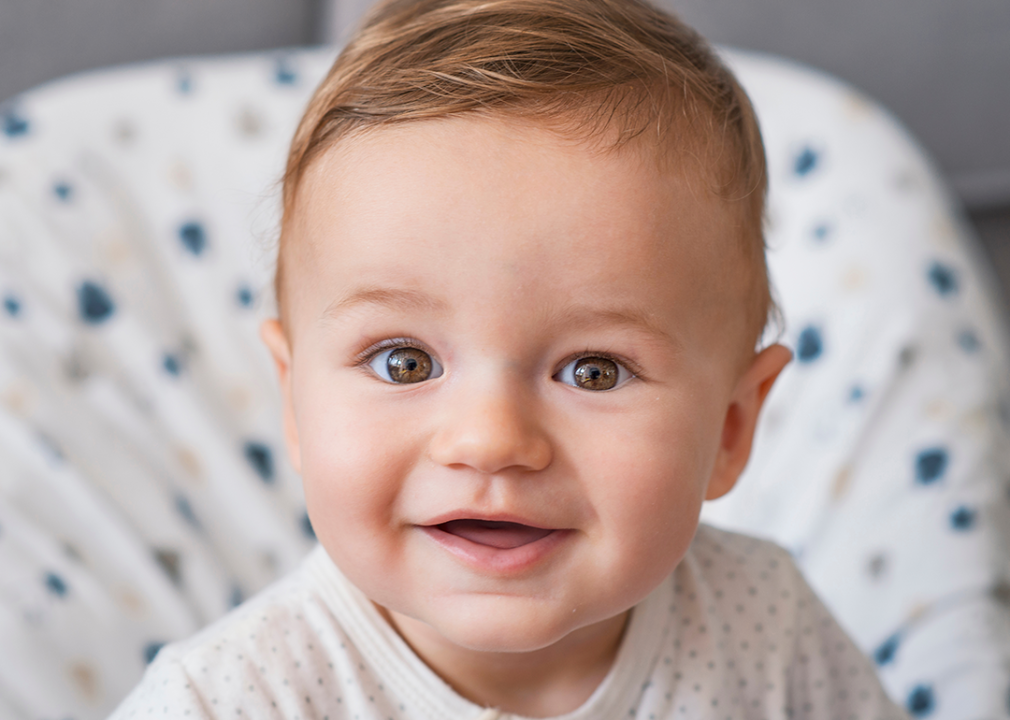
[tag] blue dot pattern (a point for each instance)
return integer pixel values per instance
(172, 364)
(822, 231)
(56, 585)
(184, 82)
(963, 518)
(151, 651)
(806, 161)
(284, 71)
(245, 296)
(943, 278)
(921, 701)
(968, 340)
(100, 285)
(261, 458)
(12, 305)
(13, 124)
(185, 510)
(809, 345)
(93, 303)
(930, 465)
(193, 237)
(887, 650)
(63, 191)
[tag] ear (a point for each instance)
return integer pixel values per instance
(272, 334)
(742, 416)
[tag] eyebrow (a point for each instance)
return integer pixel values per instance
(392, 298)
(591, 316)
(582, 315)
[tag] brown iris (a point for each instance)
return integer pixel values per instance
(595, 373)
(408, 365)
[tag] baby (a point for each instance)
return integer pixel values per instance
(521, 280)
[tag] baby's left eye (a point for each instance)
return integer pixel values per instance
(592, 372)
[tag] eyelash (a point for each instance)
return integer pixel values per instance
(368, 354)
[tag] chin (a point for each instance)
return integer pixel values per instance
(510, 638)
(505, 629)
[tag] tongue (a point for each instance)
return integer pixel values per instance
(501, 535)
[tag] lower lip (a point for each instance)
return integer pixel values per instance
(498, 561)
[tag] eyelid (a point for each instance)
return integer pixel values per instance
(365, 356)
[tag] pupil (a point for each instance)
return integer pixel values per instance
(594, 373)
(410, 365)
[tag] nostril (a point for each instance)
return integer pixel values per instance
(489, 423)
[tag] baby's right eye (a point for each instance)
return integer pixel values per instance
(405, 365)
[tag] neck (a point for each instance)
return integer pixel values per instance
(542, 683)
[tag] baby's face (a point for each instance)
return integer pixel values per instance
(516, 368)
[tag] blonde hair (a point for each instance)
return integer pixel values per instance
(614, 69)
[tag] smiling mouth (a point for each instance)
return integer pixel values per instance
(495, 534)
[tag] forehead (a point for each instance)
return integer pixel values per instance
(510, 210)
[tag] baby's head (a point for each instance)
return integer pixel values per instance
(521, 281)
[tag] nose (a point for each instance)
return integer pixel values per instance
(491, 427)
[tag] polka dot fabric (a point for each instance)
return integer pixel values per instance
(145, 492)
(734, 633)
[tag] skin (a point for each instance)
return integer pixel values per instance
(505, 252)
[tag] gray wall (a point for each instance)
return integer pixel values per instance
(44, 39)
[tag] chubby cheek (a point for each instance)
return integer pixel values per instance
(354, 459)
(651, 481)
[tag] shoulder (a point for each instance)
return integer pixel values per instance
(290, 608)
(731, 562)
(747, 610)
(752, 586)
(260, 655)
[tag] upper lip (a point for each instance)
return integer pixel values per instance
(486, 517)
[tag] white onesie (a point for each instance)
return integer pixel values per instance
(733, 633)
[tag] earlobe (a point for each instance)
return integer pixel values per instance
(273, 336)
(741, 418)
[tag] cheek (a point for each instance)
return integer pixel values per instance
(652, 473)
(355, 457)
